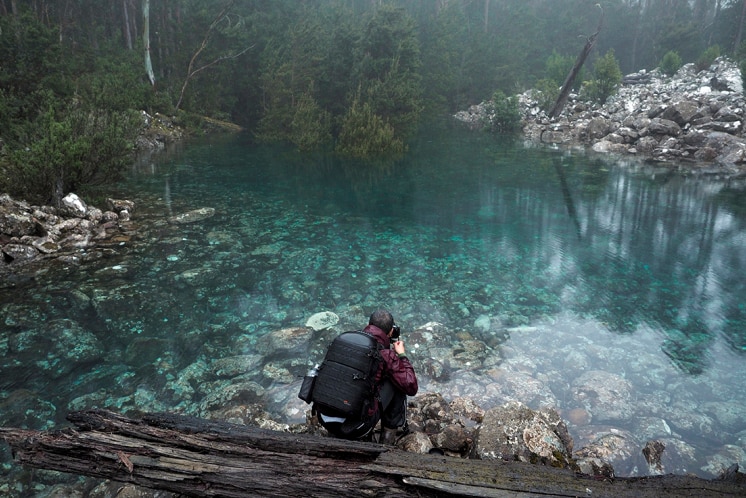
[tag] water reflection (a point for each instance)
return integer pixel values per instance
(546, 274)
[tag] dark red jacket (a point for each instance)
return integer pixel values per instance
(399, 370)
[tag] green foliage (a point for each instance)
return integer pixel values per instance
(388, 65)
(298, 80)
(310, 127)
(606, 78)
(504, 113)
(670, 63)
(559, 66)
(31, 56)
(291, 66)
(68, 151)
(548, 92)
(681, 36)
(365, 134)
(442, 55)
(117, 85)
(707, 57)
(306, 69)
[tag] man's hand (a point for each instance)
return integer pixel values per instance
(399, 347)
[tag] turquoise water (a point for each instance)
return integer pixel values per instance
(516, 273)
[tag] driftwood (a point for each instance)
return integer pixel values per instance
(197, 457)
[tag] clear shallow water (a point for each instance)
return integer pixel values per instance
(612, 293)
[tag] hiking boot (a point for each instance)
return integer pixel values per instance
(388, 436)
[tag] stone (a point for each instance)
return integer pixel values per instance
(31, 234)
(322, 320)
(118, 205)
(659, 126)
(74, 206)
(652, 452)
(233, 366)
(514, 431)
(680, 112)
(18, 252)
(598, 128)
(67, 343)
(288, 339)
(605, 395)
(453, 438)
(16, 224)
(416, 442)
(617, 448)
(194, 216)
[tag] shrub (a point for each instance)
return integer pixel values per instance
(68, 151)
(505, 116)
(606, 78)
(548, 91)
(670, 63)
(559, 66)
(365, 134)
(707, 57)
(310, 127)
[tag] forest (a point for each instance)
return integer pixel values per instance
(355, 77)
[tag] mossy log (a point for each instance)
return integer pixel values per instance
(197, 457)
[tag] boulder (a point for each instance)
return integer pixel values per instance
(608, 396)
(660, 126)
(514, 431)
(681, 112)
(73, 205)
(322, 320)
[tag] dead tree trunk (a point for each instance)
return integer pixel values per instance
(198, 457)
(146, 40)
(570, 80)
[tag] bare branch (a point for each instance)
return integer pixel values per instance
(191, 72)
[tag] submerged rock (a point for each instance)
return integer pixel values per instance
(606, 395)
(193, 216)
(322, 320)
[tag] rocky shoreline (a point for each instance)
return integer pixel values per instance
(691, 122)
(32, 236)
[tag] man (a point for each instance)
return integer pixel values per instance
(395, 379)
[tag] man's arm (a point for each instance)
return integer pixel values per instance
(401, 370)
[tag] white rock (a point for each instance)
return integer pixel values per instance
(322, 320)
(75, 205)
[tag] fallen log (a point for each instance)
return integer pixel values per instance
(197, 457)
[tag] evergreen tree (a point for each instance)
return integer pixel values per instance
(388, 64)
(606, 78)
(366, 134)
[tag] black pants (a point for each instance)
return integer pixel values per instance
(392, 412)
(393, 406)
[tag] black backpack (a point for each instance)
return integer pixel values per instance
(346, 384)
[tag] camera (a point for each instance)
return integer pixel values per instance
(396, 333)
